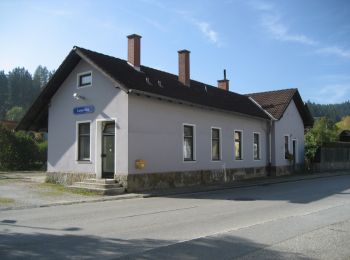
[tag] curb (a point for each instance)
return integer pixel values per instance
(191, 190)
(65, 203)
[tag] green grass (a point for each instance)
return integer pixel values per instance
(52, 189)
(5, 201)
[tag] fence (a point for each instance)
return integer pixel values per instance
(333, 156)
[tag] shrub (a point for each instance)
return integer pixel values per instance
(20, 151)
(322, 132)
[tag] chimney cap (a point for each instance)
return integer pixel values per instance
(134, 35)
(184, 51)
(223, 80)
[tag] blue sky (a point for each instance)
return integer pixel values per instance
(263, 45)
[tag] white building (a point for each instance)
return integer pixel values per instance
(108, 117)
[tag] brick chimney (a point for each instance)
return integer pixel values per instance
(134, 47)
(184, 67)
(224, 83)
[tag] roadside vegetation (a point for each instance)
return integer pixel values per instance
(55, 189)
(324, 131)
(6, 201)
(22, 151)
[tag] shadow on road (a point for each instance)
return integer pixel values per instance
(66, 246)
(301, 191)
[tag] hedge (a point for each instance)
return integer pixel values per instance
(21, 151)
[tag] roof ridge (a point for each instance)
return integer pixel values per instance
(271, 91)
(99, 53)
(162, 71)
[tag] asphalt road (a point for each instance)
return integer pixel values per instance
(307, 219)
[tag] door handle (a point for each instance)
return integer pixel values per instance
(103, 155)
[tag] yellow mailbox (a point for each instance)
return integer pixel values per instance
(140, 164)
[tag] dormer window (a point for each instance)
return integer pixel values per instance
(84, 79)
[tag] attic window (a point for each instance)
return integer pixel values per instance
(84, 79)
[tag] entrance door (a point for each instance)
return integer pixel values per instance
(295, 155)
(108, 136)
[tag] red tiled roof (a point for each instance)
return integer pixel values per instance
(276, 102)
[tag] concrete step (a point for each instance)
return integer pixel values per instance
(98, 185)
(105, 181)
(99, 191)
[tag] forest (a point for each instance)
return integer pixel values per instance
(334, 112)
(18, 90)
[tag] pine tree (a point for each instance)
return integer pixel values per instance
(22, 89)
(4, 94)
(41, 76)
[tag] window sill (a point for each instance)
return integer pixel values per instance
(84, 162)
(189, 161)
(84, 86)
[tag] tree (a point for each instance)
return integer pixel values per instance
(344, 124)
(4, 94)
(41, 76)
(22, 89)
(20, 151)
(15, 114)
(322, 132)
(334, 112)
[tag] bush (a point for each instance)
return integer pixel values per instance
(20, 151)
(322, 132)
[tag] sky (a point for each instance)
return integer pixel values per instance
(263, 45)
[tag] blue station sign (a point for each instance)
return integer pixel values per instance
(83, 110)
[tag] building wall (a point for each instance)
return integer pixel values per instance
(152, 130)
(156, 136)
(109, 102)
(292, 125)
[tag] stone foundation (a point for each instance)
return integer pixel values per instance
(67, 178)
(286, 170)
(168, 180)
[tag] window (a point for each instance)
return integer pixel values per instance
(238, 145)
(188, 144)
(84, 141)
(286, 147)
(215, 144)
(84, 79)
(256, 146)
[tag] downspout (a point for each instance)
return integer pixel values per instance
(272, 119)
(270, 149)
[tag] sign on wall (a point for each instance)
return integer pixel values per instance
(83, 110)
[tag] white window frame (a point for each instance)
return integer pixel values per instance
(194, 143)
(211, 143)
(259, 146)
(77, 142)
(234, 145)
(78, 79)
(284, 146)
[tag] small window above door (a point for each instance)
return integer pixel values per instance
(85, 79)
(109, 128)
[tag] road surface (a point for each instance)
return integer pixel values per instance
(293, 220)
